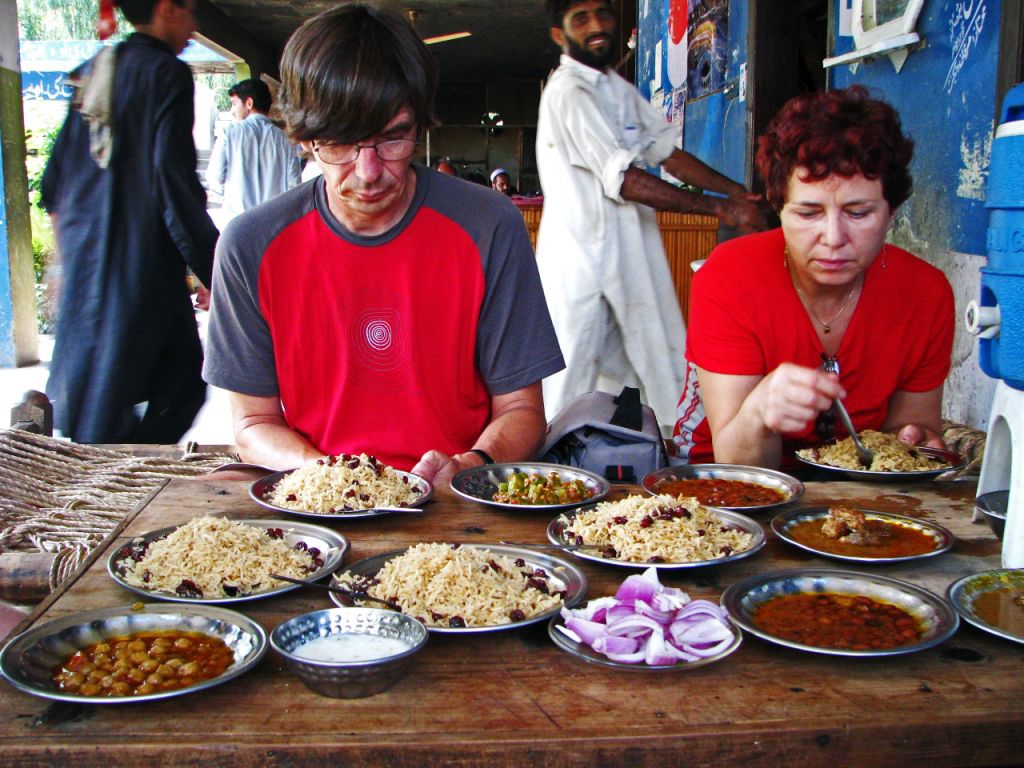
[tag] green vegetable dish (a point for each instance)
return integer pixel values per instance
(521, 488)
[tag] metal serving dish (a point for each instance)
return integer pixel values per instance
(28, 661)
(784, 522)
(963, 592)
(790, 488)
(260, 491)
(993, 506)
(588, 654)
(563, 576)
(936, 618)
(556, 535)
(348, 679)
(481, 483)
(332, 548)
(955, 460)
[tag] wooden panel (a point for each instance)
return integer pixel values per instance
(686, 237)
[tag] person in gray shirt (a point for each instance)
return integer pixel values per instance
(252, 160)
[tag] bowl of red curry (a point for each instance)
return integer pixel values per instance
(727, 486)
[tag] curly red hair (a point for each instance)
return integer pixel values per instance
(844, 133)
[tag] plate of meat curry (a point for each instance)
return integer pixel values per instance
(861, 535)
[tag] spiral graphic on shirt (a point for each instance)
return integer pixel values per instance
(379, 342)
(378, 335)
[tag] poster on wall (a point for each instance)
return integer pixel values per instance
(707, 52)
(678, 15)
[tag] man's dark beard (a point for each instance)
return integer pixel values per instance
(586, 56)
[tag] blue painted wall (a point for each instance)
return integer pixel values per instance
(945, 95)
(715, 127)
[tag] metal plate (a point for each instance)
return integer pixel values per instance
(588, 654)
(563, 575)
(260, 490)
(791, 488)
(867, 475)
(27, 662)
(556, 535)
(332, 548)
(783, 522)
(963, 592)
(935, 616)
(481, 483)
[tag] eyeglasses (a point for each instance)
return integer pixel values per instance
(346, 154)
(825, 424)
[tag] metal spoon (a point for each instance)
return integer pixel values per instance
(864, 454)
(347, 593)
(399, 510)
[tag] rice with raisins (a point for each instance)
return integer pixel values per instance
(344, 483)
(891, 454)
(658, 529)
(441, 584)
(213, 553)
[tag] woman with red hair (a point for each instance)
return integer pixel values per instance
(783, 322)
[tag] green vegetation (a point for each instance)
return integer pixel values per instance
(63, 20)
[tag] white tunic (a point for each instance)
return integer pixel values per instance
(601, 259)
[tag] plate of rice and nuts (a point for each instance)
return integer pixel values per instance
(894, 459)
(341, 487)
(215, 560)
(467, 588)
(664, 531)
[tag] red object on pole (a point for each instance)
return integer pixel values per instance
(106, 24)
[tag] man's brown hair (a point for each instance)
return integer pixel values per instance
(347, 72)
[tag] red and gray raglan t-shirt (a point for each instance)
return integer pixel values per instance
(392, 344)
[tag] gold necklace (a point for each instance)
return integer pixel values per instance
(826, 325)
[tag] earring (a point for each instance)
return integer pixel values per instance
(785, 257)
(885, 247)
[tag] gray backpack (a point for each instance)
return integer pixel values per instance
(615, 437)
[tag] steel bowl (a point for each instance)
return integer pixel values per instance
(992, 507)
(28, 661)
(790, 488)
(348, 679)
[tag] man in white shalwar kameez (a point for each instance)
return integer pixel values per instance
(601, 260)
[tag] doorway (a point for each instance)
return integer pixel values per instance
(788, 42)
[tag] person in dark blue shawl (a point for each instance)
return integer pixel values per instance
(129, 215)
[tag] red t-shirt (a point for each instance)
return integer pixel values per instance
(746, 319)
(393, 344)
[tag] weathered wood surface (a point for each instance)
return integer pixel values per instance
(513, 698)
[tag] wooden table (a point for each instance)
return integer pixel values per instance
(513, 698)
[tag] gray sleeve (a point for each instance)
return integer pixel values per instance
(516, 342)
(239, 347)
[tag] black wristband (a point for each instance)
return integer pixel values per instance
(482, 454)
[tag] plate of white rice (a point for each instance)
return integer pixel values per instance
(468, 588)
(220, 560)
(340, 488)
(663, 531)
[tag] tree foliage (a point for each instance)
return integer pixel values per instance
(62, 20)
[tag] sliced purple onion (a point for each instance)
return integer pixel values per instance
(646, 622)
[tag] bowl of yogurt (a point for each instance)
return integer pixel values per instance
(349, 653)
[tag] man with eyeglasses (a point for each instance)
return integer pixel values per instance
(382, 307)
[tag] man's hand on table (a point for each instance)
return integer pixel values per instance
(439, 468)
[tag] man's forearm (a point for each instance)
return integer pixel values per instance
(639, 186)
(515, 435)
(690, 170)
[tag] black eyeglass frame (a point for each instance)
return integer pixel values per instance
(375, 147)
